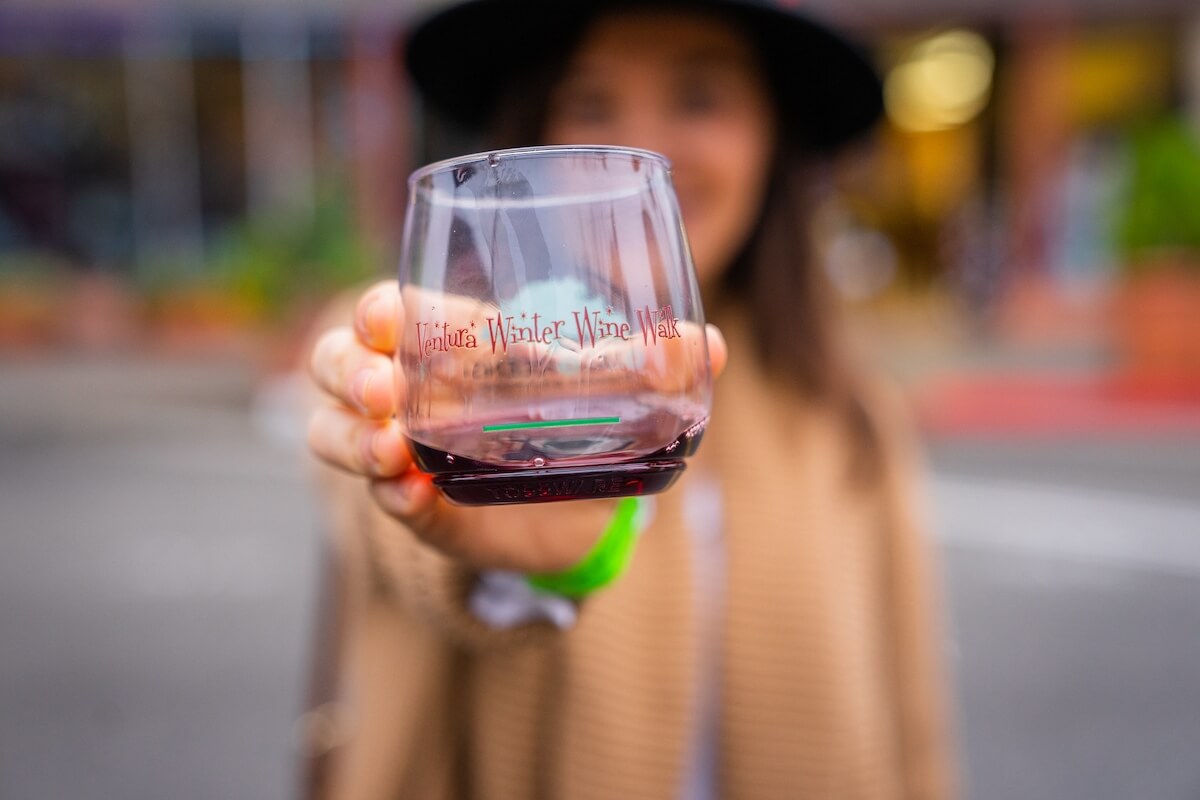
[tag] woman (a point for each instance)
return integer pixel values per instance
(771, 637)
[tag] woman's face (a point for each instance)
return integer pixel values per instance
(688, 87)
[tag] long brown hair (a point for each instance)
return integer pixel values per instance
(797, 327)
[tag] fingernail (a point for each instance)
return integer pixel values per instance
(359, 387)
(370, 453)
(372, 318)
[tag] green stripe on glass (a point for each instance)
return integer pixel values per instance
(551, 423)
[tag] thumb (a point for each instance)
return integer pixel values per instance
(718, 351)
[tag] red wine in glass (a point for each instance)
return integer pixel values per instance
(538, 461)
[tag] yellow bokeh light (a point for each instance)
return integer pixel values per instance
(944, 83)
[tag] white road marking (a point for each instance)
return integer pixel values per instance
(1121, 531)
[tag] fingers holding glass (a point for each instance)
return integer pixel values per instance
(365, 447)
(359, 377)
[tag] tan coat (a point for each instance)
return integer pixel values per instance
(829, 680)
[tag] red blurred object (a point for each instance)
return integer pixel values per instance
(1048, 405)
(1158, 323)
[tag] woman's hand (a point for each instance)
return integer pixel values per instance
(357, 432)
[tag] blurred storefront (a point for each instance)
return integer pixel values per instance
(150, 146)
(1045, 171)
(180, 126)
(1006, 149)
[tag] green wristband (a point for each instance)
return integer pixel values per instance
(604, 564)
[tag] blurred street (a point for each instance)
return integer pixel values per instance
(157, 584)
(161, 649)
(1073, 604)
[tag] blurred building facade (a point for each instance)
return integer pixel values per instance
(136, 137)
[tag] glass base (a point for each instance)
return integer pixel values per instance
(561, 483)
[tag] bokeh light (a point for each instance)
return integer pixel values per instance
(945, 82)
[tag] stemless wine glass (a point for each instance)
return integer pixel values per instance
(552, 340)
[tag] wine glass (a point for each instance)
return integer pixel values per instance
(552, 340)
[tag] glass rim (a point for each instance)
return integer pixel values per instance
(537, 150)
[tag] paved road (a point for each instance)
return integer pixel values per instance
(156, 583)
(1073, 636)
(158, 556)
(1073, 576)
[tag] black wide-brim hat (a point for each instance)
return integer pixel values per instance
(464, 59)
